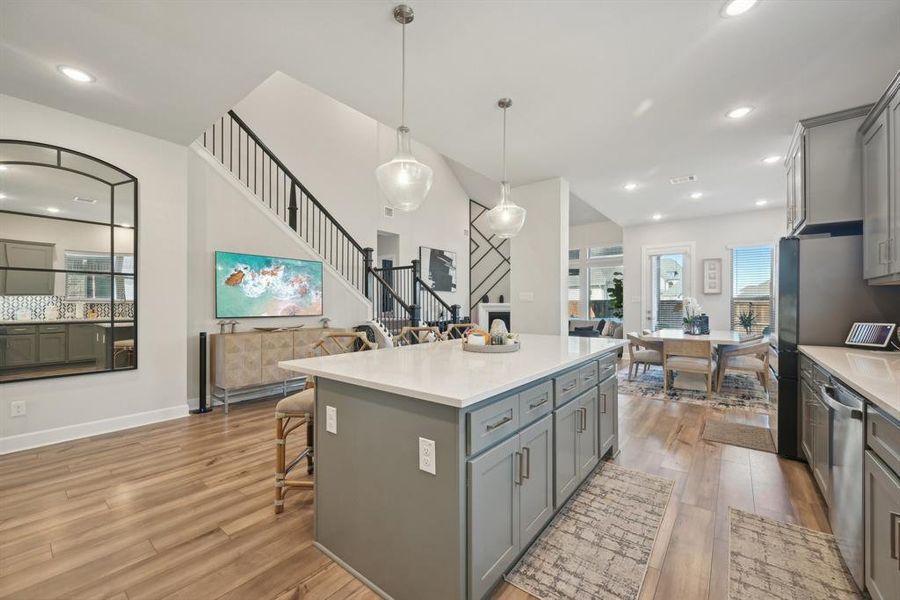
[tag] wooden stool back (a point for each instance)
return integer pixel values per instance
(418, 335)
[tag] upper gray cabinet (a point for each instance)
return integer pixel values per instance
(880, 143)
(26, 255)
(823, 172)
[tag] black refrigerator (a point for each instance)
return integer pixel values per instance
(821, 293)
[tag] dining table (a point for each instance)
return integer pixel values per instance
(717, 337)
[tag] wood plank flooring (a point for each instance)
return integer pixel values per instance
(183, 509)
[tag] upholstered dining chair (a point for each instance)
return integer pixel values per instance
(642, 352)
(419, 335)
(752, 356)
(692, 356)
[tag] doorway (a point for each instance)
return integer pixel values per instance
(387, 254)
(667, 278)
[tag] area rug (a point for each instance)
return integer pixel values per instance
(738, 390)
(599, 544)
(770, 560)
(739, 434)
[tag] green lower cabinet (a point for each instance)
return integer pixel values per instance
(18, 350)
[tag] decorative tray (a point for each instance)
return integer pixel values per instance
(494, 349)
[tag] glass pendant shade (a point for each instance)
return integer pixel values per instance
(404, 180)
(507, 218)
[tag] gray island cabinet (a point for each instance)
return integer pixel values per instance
(512, 436)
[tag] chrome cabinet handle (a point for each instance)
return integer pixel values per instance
(499, 423)
(604, 404)
(526, 472)
(518, 480)
(570, 387)
(541, 403)
(895, 537)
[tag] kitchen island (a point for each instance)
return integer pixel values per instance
(436, 468)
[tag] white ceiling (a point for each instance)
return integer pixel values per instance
(577, 72)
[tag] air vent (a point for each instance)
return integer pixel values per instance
(83, 200)
(388, 211)
(683, 179)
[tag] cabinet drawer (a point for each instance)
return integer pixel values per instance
(492, 423)
(18, 330)
(54, 328)
(535, 403)
(566, 387)
(883, 437)
(607, 367)
(806, 368)
(587, 376)
(819, 376)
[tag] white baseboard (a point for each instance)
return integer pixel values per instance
(25, 441)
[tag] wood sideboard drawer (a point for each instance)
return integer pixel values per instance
(883, 437)
(535, 403)
(492, 423)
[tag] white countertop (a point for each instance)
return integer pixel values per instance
(444, 373)
(875, 375)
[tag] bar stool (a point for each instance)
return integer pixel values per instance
(125, 347)
(290, 413)
(418, 335)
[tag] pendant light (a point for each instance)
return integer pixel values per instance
(505, 219)
(404, 180)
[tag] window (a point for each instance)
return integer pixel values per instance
(605, 251)
(751, 287)
(574, 293)
(602, 292)
(90, 286)
(593, 292)
(574, 254)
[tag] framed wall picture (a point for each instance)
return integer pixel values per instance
(438, 268)
(712, 275)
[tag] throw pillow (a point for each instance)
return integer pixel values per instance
(600, 325)
(607, 329)
(582, 329)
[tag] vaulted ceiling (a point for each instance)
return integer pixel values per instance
(604, 92)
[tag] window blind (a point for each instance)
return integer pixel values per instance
(99, 286)
(603, 251)
(751, 286)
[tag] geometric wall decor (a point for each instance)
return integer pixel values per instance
(489, 263)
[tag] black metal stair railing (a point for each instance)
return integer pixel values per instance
(429, 307)
(241, 151)
(389, 308)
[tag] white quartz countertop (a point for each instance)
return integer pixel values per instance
(875, 375)
(444, 373)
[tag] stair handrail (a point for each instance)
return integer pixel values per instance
(406, 307)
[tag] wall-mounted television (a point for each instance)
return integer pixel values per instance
(250, 285)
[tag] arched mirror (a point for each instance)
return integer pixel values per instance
(68, 263)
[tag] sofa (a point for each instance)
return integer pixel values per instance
(596, 328)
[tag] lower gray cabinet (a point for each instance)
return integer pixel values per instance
(494, 524)
(882, 535)
(81, 342)
(52, 347)
(18, 350)
(588, 436)
(807, 415)
(576, 446)
(821, 465)
(608, 411)
(536, 491)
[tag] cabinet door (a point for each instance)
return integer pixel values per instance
(807, 422)
(791, 200)
(608, 413)
(882, 537)
(18, 350)
(52, 347)
(81, 340)
(875, 199)
(494, 524)
(565, 443)
(536, 500)
(822, 449)
(31, 256)
(894, 177)
(588, 436)
(798, 183)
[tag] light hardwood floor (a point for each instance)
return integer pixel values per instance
(183, 509)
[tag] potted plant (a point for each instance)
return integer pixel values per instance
(691, 319)
(614, 291)
(747, 319)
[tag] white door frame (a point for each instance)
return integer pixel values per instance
(688, 248)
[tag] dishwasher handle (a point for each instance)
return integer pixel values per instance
(826, 393)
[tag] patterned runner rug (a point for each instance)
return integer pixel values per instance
(771, 560)
(739, 434)
(599, 544)
(739, 390)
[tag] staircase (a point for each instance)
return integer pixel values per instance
(399, 296)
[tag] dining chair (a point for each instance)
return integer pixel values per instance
(692, 356)
(341, 343)
(456, 331)
(418, 335)
(750, 356)
(642, 352)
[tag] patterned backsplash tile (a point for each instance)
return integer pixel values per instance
(38, 305)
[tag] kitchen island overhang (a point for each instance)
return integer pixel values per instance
(409, 533)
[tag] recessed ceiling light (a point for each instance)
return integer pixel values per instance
(125, 224)
(76, 74)
(771, 160)
(84, 200)
(3, 167)
(657, 217)
(630, 186)
(739, 113)
(734, 8)
(762, 202)
(52, 209)
(2, 196)
(697, 195)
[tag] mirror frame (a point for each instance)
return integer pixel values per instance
(126, 178)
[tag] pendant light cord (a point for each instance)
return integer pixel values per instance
(403, 77)
(504, 145)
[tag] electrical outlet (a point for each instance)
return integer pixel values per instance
(526, 296)
(331, 419)
(427, 456)
(17, 408)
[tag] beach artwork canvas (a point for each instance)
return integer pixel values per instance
(249, 285)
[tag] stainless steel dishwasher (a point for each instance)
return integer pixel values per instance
(846, 460)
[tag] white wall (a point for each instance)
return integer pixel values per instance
(605, 233)
(540, 253)
(224, 216)
(334, 150)
(75, 406)
(713, 237)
